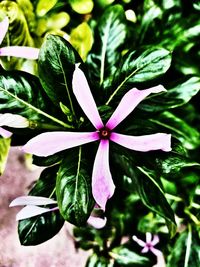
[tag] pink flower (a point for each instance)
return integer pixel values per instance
(49, 143)
(11, 120)
(149, 244)
(15, 51)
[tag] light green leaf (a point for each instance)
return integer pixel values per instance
(4, 149)
(82, 6)
(82, 39)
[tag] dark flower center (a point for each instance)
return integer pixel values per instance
(104, 133)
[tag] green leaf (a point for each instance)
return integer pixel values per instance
(17, 90)
(174, 97)
(4, 149)
(82, 6)
(39, 229)
(73, 189)
(140, 66)
(186, 250)
(98, 261)
(125, 257)
(43, 7)
(148, 187)
(109, 37)
(56, 65)
(188, 136)
(82, 39)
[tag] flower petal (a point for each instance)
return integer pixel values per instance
(31, 200)
(128, 103)
(155, 251)
(4, 24)
(155, 240)
(148, 237)
(145, 249)
(13, 120)
(4, 133)
(49, 143)
(102, 184)
(20, 51)
(84, 96)
(139, 241)
(143, 143)
(31, 211)
(97, 222)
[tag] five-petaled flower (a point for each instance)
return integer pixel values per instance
(49, 143)
(15, 51)
(149, 244)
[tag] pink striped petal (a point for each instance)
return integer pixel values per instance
(155, 251)
(84, 96)
(13, 120)
(49, 143)
(31, 200)
(20, 51)
(31, 211)
(128, 103)
(97, 222)
(143, 143)
(148, 237)
(155, 240)
(139, 241)
(145, 249)
(102, 184)
(4, 133)
(4, 24)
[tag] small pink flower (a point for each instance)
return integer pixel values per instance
(149, 244)
(49, 143)
(15, 51)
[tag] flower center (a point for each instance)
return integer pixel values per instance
(104, 133)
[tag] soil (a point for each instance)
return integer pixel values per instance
(57, 252)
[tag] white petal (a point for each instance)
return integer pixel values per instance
(84, 97)
(4, 24)
(102, 184)
(13, 120)
(49, 143)
(31, 200)
(4, 133)
(30, 211)
(143, 143)
(20, 51)
(128, 103)
(139, 241)
(155, 240)
(97, 222)
(148, 237)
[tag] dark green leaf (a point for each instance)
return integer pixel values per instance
(98, 261)
(109, 37)
(73, 188)
(174, 97)
(148, 186)
(56, 66)
(186, 250)
(126, 257)
(17, 87)
(140, 66)
(39, 229)
(189, 136)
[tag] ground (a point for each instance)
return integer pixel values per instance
(57, 252)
